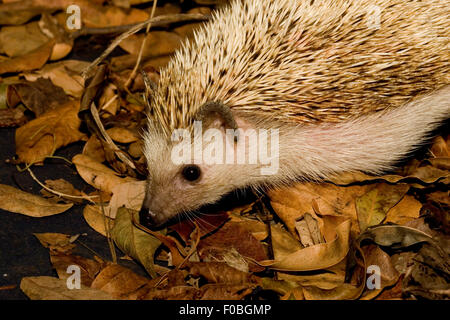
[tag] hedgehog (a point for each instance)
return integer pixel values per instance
(346, 85)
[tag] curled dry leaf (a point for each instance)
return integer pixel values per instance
(233, 235)
(406, 210)
(219, 272)
(373, 206)
(374, 256)
(133, 241)
(98, 175)
(30, 61)
(308, 230)
(129, 195)
(425, 174)
(40, 96)
(94, 149)
(158, 43)
(64, 74)
(56, 242)
(19, 40)
(122, 135)
(97, 220)
(395, 236)
(63, 187)
(15, 200)
(49, 288)
(320, 256)
(120, 282)
(40, 137)
(292, 203)
(88, 268)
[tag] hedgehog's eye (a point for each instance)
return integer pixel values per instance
(191, 172)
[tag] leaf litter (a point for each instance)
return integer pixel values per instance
(316, 243)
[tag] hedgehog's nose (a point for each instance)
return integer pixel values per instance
(149, 219)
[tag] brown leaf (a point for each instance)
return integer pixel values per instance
(64, 74)
(96, 220)
(32, 60)
(122, 135)
(205, 223)
(12, 118)
(94, 149)
(232, 235)
(19, 40)
(336, 232)
(158, 43)
(40, 96)
(119, 281)
(98, 175)
(88, 268)
(56, 242)
(49, 288)
(15, 200)
(224, 291)
(291, 203)
(40, 137)
(374, 256)
(219, 272)
(64, 187)
(407, 209)
(373, 206)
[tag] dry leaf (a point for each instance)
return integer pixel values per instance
(49, 288)
(15, 200)
(407, 209)
(56, 242)
(320, 256)
(20, 40)
(98, 175)
(88, 268)
(374, 256)
(219, 272)
(373, 206)
(232, 235)
(119, 281)
(40, 137)
(122, 135)
(30, 61)
(94, 149)
(129, 195)
(40, 96)
(97, 220)
(64, 74)
(159, 43)
(293, 202)
(133, 241)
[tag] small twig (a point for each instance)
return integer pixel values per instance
(163, 18)
(110, 101)
(60, 194)
(141, 49)
(59, 157)
(108, 139)
(169, 19)
(108, 232)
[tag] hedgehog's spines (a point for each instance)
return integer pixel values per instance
(305, 62)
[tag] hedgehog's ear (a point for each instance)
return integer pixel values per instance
(215, 114)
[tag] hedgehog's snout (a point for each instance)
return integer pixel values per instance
(149, 219)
